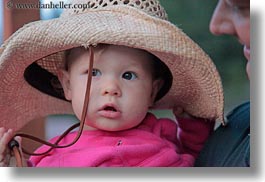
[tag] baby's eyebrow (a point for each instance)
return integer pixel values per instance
(134, 68)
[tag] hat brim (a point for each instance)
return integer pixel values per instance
(196, 85)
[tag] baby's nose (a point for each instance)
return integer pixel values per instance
(111, 89)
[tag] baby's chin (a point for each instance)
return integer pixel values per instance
(115, 129)
(107, 127)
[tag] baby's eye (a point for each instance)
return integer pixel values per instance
(129, 75)
(96, 72)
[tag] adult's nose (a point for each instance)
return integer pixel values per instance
(222, 20)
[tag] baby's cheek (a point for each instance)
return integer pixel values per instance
(77, 108)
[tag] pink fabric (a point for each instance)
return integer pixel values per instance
(154, 143)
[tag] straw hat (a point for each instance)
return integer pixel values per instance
(30, 57)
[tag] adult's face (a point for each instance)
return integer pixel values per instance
(232, 17)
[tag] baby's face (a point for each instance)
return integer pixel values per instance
(122, 88)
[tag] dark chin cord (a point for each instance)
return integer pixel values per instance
(14, 145)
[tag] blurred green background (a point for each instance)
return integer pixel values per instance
(193, 17)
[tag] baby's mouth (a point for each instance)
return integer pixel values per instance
(109, 111)
(110, 108)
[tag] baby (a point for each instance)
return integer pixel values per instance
(118, 129)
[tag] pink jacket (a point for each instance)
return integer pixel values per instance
(154, 143)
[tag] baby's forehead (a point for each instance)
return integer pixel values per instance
(121, 56)
(124, 55)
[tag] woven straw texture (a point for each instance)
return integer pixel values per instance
(143, 24)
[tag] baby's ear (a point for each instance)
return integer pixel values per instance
(64, 79)
(157, 85)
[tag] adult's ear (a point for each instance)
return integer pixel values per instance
(157, 85)
(64, 79)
